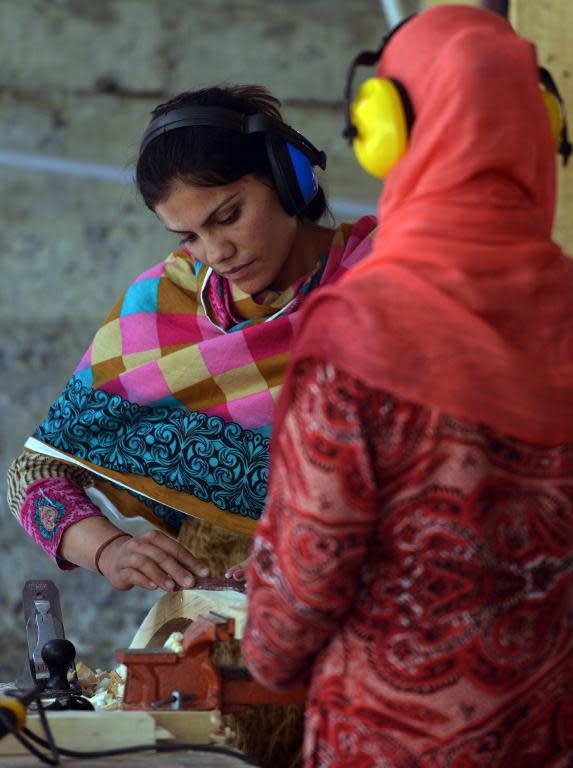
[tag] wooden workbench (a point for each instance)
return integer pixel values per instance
(169, 760)
(92, 731)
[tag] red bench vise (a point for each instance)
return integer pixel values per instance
(160, 679)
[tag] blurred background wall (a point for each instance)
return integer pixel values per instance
(77, 81)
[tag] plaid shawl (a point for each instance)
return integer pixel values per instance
(174, 400)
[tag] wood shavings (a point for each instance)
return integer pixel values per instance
(221, 733)
(103, 689)
(175, 643)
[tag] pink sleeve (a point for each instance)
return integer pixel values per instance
(49, 508)
(312, 540)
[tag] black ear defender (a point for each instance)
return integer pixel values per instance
(291, 155)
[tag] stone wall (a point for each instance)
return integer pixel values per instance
(77, 81)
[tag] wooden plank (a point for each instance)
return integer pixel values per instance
(149, 760)
(174, 610)
(185, 727)
(111, 730)
(116, 729)
(89, 730)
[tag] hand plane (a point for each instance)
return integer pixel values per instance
(43, 622)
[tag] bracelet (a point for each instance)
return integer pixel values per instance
(101, 548)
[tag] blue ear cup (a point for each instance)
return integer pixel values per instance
(293, 173)
(304, 172)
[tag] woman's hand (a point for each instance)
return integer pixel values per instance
(150, 561)
(238, 571)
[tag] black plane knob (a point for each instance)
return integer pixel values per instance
(58, 654)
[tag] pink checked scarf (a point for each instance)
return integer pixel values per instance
(174, 400)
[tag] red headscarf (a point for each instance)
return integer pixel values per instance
(465, 303)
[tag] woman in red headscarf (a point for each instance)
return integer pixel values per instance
(415, 559)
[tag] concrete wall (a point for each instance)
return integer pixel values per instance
(77, 81)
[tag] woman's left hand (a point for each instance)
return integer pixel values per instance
(238, 571)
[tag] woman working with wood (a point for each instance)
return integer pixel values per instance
(169, 412)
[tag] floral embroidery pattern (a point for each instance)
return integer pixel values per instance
(48, 512)
(187, 451)
(49, 508)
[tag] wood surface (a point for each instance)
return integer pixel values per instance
(108, 730)
(151, 760)
(111, 730)
(174, 610)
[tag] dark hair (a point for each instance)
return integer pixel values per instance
(207, 156)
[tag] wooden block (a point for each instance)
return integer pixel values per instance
(185, 727)
(110, 730)
(174, 610)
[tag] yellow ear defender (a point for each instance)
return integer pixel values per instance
(556, 111)
(555, 117)
(382, 126)
(378, 120)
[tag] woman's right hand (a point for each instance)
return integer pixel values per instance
(150, 561)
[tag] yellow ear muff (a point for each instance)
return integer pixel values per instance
(379, 118)
(555, 113)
